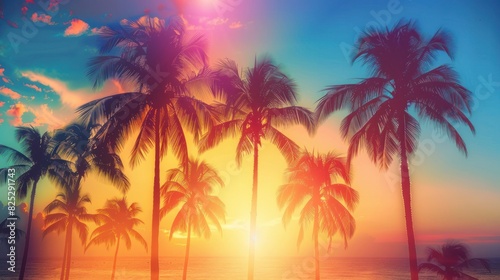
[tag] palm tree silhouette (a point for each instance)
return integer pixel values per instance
(36, 162)
(313, 187)
(257, 102)
(191, 185)
(117, 222)
(65, 213)
(451, 260)
(382, 106)
(78, 143)
(167, 68)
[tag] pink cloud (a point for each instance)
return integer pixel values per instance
(10, 93)
(2, 103)
(96, 31)
(76, 28)
(236, 25)
(24, 10)
(1, 71)
(74, 98)
(16, 112)
(42, 18)
(217, 21)
(45, 116)
(35, 87)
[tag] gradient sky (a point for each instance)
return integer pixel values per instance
(42, 81)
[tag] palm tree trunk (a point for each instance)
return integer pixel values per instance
(188, 245)
(65, 255)
(68, 256)
(316, 235)
(253, 213)
(28, 231)
(116, 256)
(156, 203)
(405, 185)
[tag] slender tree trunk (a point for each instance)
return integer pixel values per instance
(68, 256)
(155, 270)
(406, 190)
(116, 256)
(28, 232)
(188, 246)
(316, 235)
(253, 213)
(65, 255)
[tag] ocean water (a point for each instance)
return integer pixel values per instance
(235, 268)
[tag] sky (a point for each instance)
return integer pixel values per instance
(44, 49)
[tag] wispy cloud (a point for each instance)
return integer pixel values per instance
(35, 17)
(77, 27)
(10, 93)
(70, 97)
(17, 111)
(235, 25)
(35, 87)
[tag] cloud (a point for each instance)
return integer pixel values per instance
(16, 111)
(10, 93)
(73, 98)
(45, 116)
(35, 17)
(217, 21)
(77, 27)
(35, 87)
(96, 30)
(235, 25)
(2, 70)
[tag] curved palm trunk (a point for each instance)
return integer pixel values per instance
(116, 256)
(156, 204)
(188, 246)
(405, 185)
(68, 256)
(65, 255)
(28, 232)
(253, 213)
(316, 242)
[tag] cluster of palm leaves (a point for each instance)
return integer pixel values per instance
(178, 95)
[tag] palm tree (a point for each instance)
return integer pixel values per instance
(166, 68)
(451, 260)
(65, 213)
(382, 107)
(78, 143)
(31, 166)
(258, 101)
(313, 186)
(118, 220)
(192, 184)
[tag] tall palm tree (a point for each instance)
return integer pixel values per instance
(78, 143)
(65, 213)
(257, 102)
(382, 108)
(167, 68)
(313, 187)
(31, 166)
(191, 185)
(451, 260)
(118, 220)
